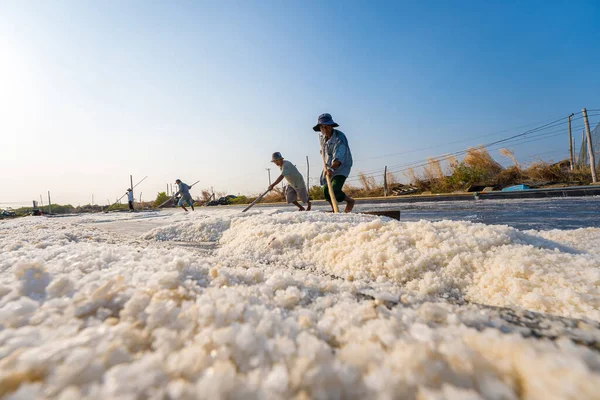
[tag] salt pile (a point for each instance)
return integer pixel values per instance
(294, 305)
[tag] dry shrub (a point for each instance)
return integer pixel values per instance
(480, 159)
(541, 171)
(416, 181)
(354, 191)
(274, 196)
(507, 153)
(206, 194)
(368, 182)
(581, 175)
(391, 179)
(412, 176)
(509, 176)
(452, 164)
(361, 191)
(436, 167)
(433, 170)
(434, 174)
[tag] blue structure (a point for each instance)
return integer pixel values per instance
(516, 188)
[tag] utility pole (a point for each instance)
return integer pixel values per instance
(571, 145)
(307, 174)
(385, 183)
(49, 204)
(269, 171)
(131, 183)
(167, 189)
(590, 145)
(41, 202)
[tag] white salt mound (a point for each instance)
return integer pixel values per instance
(291, 305)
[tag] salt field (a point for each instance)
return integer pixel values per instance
(274, 304)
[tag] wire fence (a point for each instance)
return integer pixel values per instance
(583, 158)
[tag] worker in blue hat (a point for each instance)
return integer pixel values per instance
(338, 160)
(296, 188)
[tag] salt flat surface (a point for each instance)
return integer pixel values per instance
(274, 304)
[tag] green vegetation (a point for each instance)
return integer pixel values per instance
(316, 193)
(117, 207)
(161, 197)
(59, 209)
(242, 200)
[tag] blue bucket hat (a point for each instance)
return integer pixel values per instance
(324, 119)
(276, 156)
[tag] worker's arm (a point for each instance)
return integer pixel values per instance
(276, 182)
(334, 165)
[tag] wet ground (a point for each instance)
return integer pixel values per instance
(539, 214)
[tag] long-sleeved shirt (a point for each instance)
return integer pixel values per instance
(337, 149)
(184, 190)
(130, 196)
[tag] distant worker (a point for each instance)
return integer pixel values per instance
(130, 199)
(338, 160)
(186, 197)
(296, 189)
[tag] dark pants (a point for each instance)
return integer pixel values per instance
(337, 182)
(131, 205)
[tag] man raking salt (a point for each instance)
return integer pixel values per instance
(186, 197)
(337, 160)
(296, 188)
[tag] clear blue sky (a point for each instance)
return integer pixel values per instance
(91, 92)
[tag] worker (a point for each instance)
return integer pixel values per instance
(186, 197)
(130, 199)
(296, 188)
(338, 160)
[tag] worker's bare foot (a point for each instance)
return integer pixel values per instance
(349, 204)
(308, 206)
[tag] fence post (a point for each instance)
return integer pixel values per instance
(307, 175)
(571, 144)
(590, 146)
(385, 182)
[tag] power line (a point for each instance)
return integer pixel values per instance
(549, 125)
(453, 142)
(519, 140)
(426, 163)
(420, 163)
